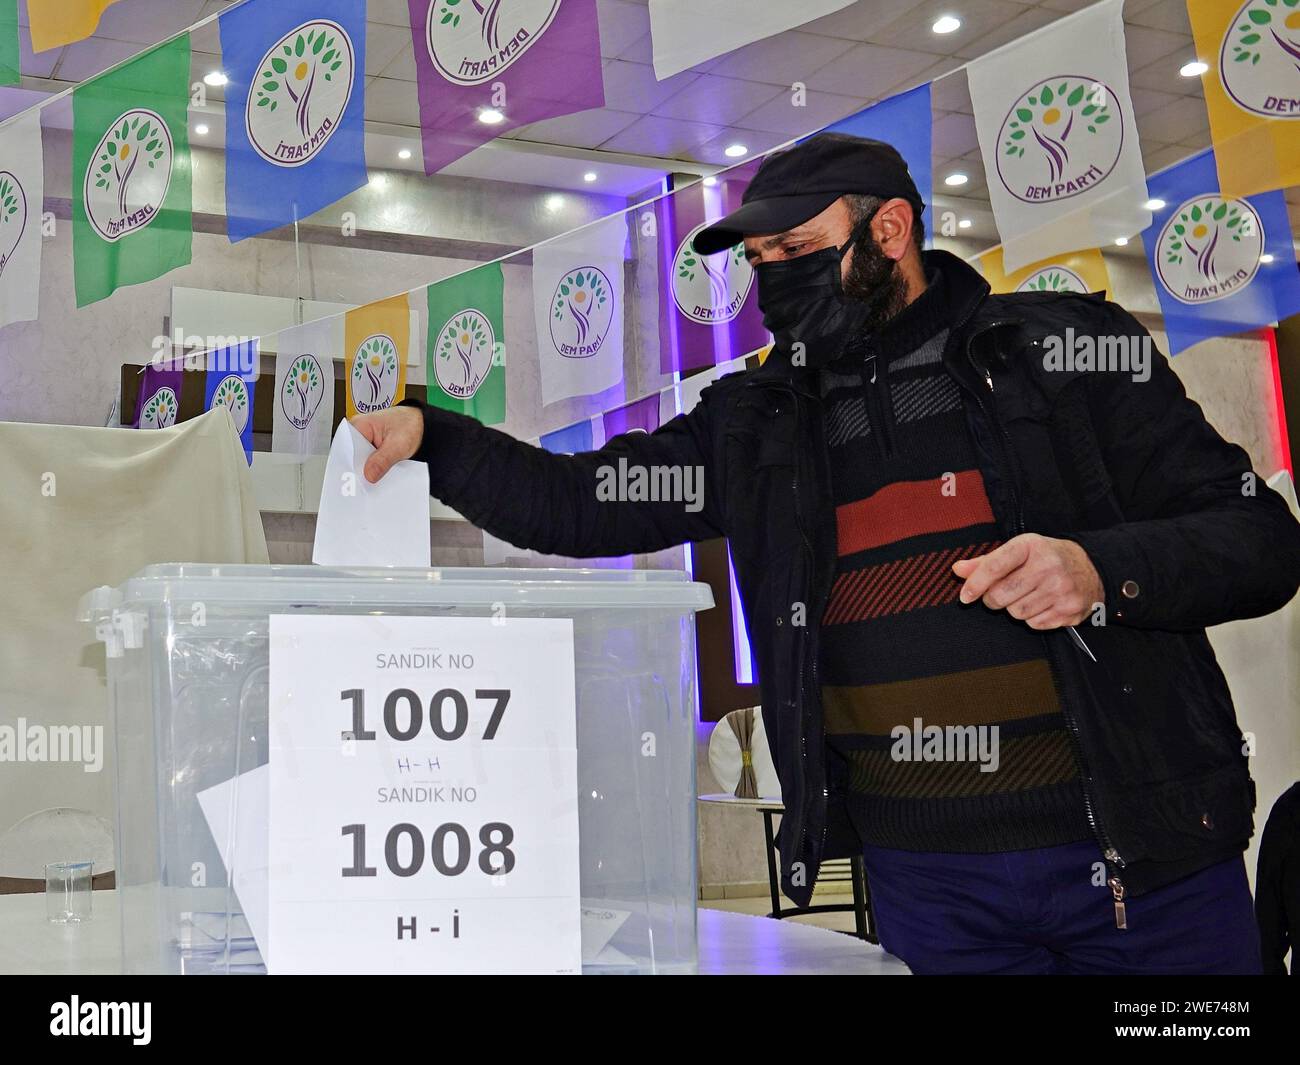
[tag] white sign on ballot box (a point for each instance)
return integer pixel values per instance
(423, 796)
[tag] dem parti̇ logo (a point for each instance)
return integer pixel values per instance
(160, 411)
(303, 390)
(301, 92)
(710, 288)
(129, 174)
(465, 349)
(232, 393)
(13, 216)
(581, 312)
(472, 41)
(1259, 61)
(374, 374)
(1053, 279)
(1060, 138)
(1209, 249)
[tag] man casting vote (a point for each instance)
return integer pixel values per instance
(944, 526)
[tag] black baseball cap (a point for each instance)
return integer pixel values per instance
(796, 184)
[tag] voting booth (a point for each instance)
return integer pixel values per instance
(400, 770)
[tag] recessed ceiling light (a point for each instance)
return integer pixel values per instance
(735, 151)
(1194, 69)
(710, 181)
(946, 24)
(201, 129)
(1121, 241)
(956, 179)
(589, 176)
(215, 78)
(404, 154)
(490, 116)
(1154, 204)
(1266, 258)
(554, 203)
(965, 223)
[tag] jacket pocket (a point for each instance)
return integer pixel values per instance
(1178, 819)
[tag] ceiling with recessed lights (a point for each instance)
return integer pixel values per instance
(863, 53)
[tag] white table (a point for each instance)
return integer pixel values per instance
(730, 944)
(29, 944)
(741, 944)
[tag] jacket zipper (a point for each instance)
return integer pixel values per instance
(1109, 852)
(877, 397)
(811, 556)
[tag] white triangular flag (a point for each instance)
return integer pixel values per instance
(22, 197)
(304, 387)
(1058, 137)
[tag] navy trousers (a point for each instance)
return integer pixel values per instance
(1048, 911)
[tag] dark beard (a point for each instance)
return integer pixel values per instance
(874, 278)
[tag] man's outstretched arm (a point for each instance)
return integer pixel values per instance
(575, 505)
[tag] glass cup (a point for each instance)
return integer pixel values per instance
(67, 891)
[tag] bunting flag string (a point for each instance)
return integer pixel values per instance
(1052, 111)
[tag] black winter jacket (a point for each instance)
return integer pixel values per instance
(1181, 531)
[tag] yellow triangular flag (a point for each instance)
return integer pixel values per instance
(377, 341)
(1252, 90)
(59, 22)
(1076, 271)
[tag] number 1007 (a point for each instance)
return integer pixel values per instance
(404, 713)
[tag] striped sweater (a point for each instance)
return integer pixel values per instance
(944, 717)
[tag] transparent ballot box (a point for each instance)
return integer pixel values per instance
(243, 808)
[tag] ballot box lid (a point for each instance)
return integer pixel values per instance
(287, 586)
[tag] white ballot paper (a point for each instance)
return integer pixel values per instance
(364, 524)
(236, 811)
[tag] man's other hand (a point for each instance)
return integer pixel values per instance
(1044, 582)
(395, 434)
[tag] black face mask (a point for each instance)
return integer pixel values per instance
(803, 301)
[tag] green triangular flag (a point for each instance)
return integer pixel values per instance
(467, 344)
(10, 74)
(131, 172)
